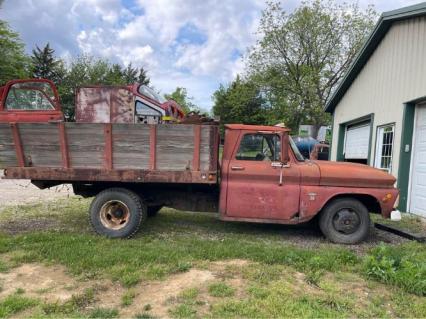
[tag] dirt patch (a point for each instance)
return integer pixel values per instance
(158, 295)
(16, 192)
(46, 283)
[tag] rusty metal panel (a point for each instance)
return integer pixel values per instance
(101, 175)
(122, 106)
(104, 104)
(92, 105)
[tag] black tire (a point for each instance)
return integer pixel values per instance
(153, 210)
(117, 213)
(345, 221)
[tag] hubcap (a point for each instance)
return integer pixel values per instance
(346, 221)
(114, 214)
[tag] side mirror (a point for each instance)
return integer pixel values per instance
(285, 142)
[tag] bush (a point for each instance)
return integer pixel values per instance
(403, 266)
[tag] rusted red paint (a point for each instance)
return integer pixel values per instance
(251, 192)
(18, 144)
(153, 147)
(104, 104)
(197, 143)
(116, 104)
(314, 198)
(108, 146)
(345, 174)
(64, 146)
(29, 116)
(102, 175)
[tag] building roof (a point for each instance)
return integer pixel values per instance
(383, 25)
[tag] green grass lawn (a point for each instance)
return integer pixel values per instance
(408, 222)
(279, 276)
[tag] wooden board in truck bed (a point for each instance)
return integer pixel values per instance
(110, 152)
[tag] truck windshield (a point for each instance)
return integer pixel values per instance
(147, 91)
(296, 151)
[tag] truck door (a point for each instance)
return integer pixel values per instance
(255, 188)
(30, 101)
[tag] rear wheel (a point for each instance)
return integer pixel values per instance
(117, 213)
(345, 221)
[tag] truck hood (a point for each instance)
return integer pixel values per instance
(353, 175)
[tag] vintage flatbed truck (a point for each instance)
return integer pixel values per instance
(135, 169)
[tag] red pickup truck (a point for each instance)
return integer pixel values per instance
(134, 169)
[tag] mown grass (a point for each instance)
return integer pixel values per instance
(174, 242)
(408, 222)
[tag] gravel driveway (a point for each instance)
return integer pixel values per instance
(15, 192)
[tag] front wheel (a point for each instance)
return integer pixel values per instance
(345, 221)
(117, 213)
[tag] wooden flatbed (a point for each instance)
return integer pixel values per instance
(163, 153)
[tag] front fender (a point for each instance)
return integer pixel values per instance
(314, 198)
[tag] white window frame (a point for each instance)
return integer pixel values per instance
(380, 147)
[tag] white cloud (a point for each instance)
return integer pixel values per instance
(147, 33)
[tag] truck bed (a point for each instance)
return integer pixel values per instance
(172, 153)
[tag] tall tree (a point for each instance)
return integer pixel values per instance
(45, 65)
(143, 77)
(115, 75)
(240, 102)
(130, 74)
(302, 56)
(180, 96)
(13, 61)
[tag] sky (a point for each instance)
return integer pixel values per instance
(196, 44)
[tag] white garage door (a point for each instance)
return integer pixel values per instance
(357, 141)
(418, 175)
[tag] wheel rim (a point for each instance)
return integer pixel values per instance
(346, 221)
(114, 214)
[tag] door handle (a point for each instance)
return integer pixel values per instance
(237, 168)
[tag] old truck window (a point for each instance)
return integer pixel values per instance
(30, 96)
(259, 147)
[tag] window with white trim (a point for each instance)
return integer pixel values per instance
(384, 147)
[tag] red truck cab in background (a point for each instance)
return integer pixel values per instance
(42, 102)
(94, 104)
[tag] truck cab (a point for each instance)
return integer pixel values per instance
(33, 100)
(265, 178)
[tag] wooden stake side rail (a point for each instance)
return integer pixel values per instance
(174, 153)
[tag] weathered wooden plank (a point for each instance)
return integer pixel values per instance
(41, 145)
(86, 144)
(175, 147)
(130, 146)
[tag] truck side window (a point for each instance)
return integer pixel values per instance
(259, 147)
(30, 96)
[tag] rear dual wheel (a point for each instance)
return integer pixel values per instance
(117, 213)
